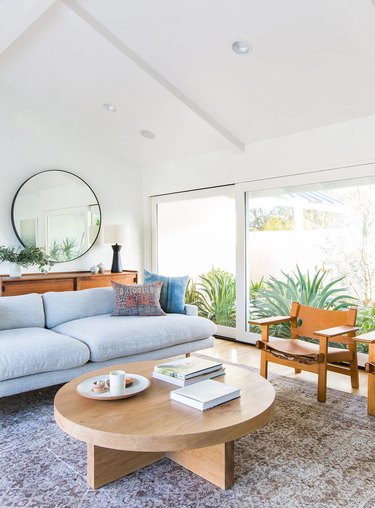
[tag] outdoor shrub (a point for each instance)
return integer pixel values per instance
(276, 295)
(214, 293)
(366, 323)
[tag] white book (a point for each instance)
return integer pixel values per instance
(186, 382)
(185, 368)
(205, 394)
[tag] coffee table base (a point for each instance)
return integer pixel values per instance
(214, 463)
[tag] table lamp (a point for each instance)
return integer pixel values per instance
(115, 235)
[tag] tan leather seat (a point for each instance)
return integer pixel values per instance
(301, 347)
(323, 325)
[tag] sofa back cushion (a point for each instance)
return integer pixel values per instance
(22, 311)
(64, 306)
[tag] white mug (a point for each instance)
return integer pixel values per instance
(117, 382)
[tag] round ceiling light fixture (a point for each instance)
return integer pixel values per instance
(147, 134)
(109, 107)
(241, 47)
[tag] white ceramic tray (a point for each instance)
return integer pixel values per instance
(140, 383)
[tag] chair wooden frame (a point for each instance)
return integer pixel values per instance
(305, 356)
(369, 338)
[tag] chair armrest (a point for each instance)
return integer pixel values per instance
(366, 338)
(336, 331)
(270, 321)
(191, 310)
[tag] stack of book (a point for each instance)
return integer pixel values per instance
(188, 371)
(205, 395)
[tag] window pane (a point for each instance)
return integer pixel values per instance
(196, 237)
(305, 241)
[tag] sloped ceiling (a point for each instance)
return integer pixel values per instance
(168, 67)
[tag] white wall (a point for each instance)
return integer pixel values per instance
(32, 141)
(329, 147)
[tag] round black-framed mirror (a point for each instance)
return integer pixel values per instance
(58, 211)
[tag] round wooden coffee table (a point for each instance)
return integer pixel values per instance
(125, 435)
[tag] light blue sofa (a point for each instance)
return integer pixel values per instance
(49, 339)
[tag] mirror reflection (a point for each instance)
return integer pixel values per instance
(58, 211)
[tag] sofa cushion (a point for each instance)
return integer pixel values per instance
(21, 311)
(109, 337)
(33, 350)
(172, 296)
(64, 306)
(137, 299)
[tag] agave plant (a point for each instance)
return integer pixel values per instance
(191, 292)
(214, 293)
(276, 296)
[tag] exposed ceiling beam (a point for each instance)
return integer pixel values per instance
(24, 21)
(117, 43)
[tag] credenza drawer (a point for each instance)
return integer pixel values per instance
(104, 281)
(41, 286)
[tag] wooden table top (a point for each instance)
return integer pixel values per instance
(150, 421)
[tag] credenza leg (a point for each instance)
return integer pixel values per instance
(105, 465)
(214, 463)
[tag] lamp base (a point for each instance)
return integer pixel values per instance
(116, 261)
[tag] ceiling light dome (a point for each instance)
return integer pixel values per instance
(147, 134)
(241, 47)
(109, 107)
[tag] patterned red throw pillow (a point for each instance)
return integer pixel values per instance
(137, 299)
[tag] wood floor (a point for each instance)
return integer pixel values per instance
(249, 355)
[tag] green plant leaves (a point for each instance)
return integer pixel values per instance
(214, 293)
(25, 257)
(276, 296)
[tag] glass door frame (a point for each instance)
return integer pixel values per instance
(240, 333)
(224, 331)
(283, 183)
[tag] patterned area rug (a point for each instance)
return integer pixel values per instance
(309, 455)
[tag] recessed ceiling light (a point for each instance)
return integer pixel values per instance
(109, 107)
(147, 134)
(241, 47)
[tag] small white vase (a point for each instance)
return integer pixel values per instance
(15, 271)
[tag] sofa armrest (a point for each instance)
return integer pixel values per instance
(191, 310)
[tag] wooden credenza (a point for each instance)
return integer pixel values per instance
(62, 281)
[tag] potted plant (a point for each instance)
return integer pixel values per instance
(23, 257)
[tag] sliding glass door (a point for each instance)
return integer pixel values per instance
(194, 234)
(253, 248)
(311, 243)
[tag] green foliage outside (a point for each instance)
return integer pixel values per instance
(278, 218)
(214, 293)
(320, 219)
(215, 296)
(366, 323)
(25, 257)
(276, 295)
(366, 319)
